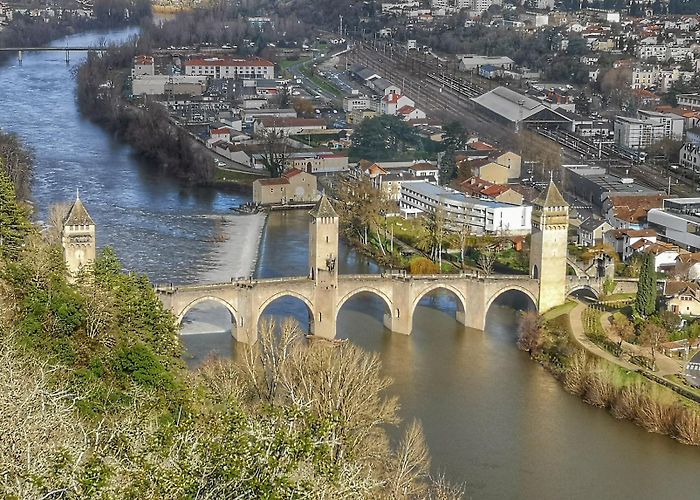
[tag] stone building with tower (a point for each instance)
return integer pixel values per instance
(548, 246)
(78, 238)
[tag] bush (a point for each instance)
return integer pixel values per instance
(142, 366)
(422, 265)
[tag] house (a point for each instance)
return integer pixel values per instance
(480, 216)
(390, 183)
(682, 297)
(592, 231)
(627, 241)
(294, 186)
(630, 211)
(486, 169)
(665, 255)
(233, 152)
(391, 103)
(410, 113)
(424, 169)
(219, 134)
(318, 162)
(481, 188)
(688, 266)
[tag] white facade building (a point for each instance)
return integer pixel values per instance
(691, 101)
(482, 216)
(689, 156)
(678, 222)
(230, 68)
(651, 127)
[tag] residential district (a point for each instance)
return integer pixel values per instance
(630, 176)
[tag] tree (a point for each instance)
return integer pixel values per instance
(16, 162)
(530, 332)
(54, 222)
(651, 336)
(486, 260)
(362, 209)
(275, 151)
(622, 327)
(645, 302)
(14, 225)
(382, 137)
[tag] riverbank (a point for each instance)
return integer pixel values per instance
(602, 380)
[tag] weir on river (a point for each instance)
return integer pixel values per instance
(492, 418)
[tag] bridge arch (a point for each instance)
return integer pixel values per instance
(588, 288)
(259, 311)
(366, 289)
(506, 289)
(208, 298)
(462, 301)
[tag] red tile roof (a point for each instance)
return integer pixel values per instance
(142, 60)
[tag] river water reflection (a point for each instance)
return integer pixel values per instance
(493, 419)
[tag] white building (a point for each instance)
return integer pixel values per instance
(143, 65)
(651, 127)
(678, 222)
(230, 68)
(689, 156)
(391, 103)
(356, 102)
(482, 216)
(691, 101)
(469, 62)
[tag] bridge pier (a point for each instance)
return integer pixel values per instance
(19, 57)
(67, 56)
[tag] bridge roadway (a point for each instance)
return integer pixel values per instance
(246, 299)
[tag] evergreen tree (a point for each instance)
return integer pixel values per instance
(14, 225)
(645, 303)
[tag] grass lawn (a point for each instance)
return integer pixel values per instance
(565, 308)
(223, 175)
(286, 63)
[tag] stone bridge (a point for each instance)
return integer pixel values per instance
(246, 299)
(324, 291)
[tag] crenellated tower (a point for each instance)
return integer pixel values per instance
(78, 238)
(548, 246)
(323, 265)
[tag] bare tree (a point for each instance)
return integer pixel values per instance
(530, 332)
(411, 465)
(54, 222)
(275, 151)
(651, 336)
(486, 260)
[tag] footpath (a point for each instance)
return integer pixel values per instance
(667, 366)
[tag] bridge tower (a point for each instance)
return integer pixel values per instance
(550, 226)
(78, 238)
(323, 265)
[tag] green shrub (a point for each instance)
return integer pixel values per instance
(142, 366)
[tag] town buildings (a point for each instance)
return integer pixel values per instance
(216, 67)
(479, 216)
(294, 186)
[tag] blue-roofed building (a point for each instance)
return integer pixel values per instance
(481, 216)
(490, 71)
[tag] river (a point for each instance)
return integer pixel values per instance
(494, 420)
